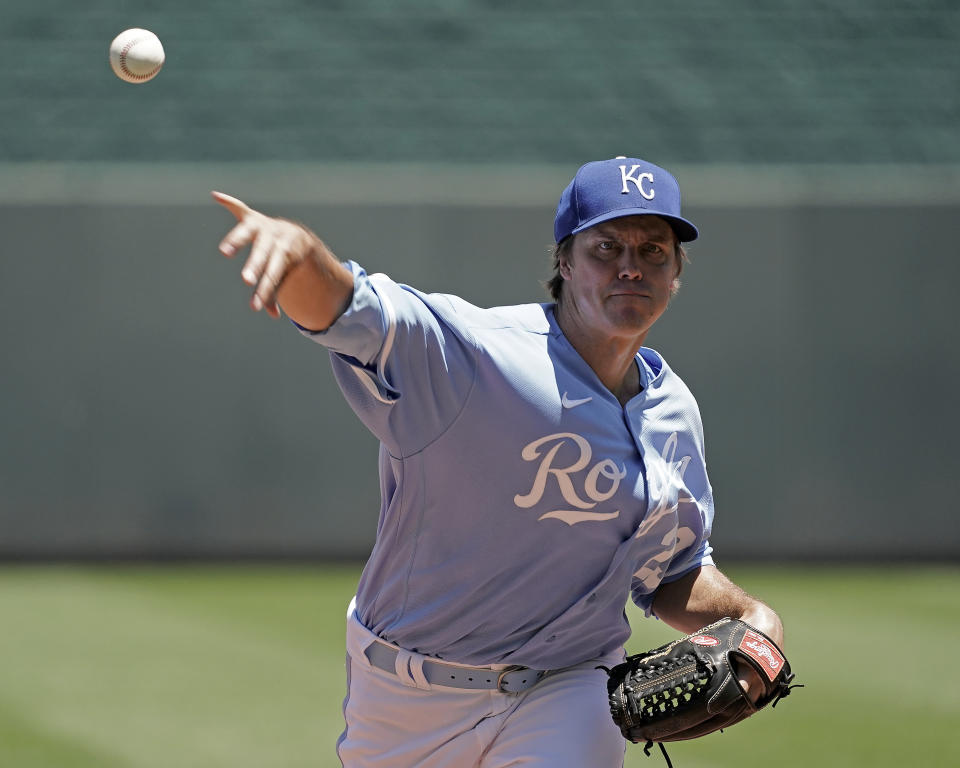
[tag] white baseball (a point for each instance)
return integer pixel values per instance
(136, 55)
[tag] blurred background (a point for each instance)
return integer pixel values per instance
(147, 415)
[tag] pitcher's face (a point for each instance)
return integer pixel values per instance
(619, 275)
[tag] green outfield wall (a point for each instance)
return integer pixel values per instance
(145, 411)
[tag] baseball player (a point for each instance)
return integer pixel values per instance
(538, 466)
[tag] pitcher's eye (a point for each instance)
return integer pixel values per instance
(655, 253)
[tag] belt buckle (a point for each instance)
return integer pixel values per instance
(513, 668)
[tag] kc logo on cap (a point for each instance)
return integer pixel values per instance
(623, 186)
(637, 180)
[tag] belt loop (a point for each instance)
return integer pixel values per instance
(402, 667)
(409, 669)
(416, 669)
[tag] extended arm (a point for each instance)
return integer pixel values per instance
(288, 266)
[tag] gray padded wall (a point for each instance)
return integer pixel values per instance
(146, 411)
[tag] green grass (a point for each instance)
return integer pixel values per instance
(181, 667)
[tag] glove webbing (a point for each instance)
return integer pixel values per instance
(665, 687)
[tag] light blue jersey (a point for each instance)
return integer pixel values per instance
(521, 503)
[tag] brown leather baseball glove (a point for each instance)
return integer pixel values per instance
(689, 688)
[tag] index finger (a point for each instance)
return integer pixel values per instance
(237, 207)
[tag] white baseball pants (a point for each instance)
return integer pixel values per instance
(392, 722)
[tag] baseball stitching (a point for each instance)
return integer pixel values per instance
(123, 61)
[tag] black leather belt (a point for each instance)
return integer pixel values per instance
(511, 679)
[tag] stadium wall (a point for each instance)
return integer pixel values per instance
(146, 412)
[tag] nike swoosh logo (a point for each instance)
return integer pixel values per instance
(566, 402)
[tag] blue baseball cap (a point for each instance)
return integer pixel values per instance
(623, 186)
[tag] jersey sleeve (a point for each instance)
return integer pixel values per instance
(402, 361)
